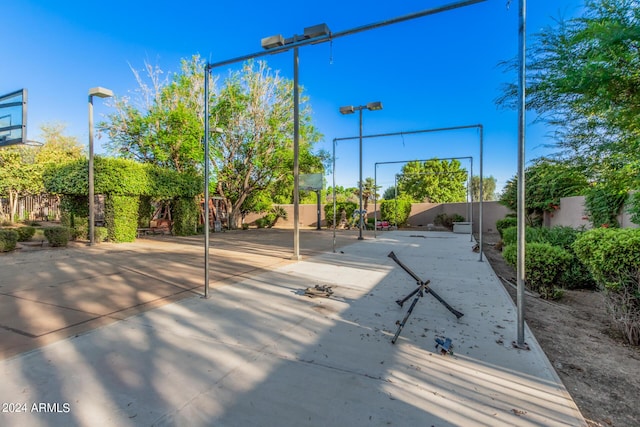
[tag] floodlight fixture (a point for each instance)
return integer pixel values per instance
(316, 31)
(272, 42)
(372, 106)
(347, 109)
(100, 92)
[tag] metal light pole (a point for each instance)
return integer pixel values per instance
(350, 109)
(296, 155)
(100, 92)
(206, 224)
(520, 270)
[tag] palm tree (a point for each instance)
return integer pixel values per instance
(369, 191)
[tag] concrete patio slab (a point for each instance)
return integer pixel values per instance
(259, 352)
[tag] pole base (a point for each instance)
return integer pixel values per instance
(295, 257)
(524, 346)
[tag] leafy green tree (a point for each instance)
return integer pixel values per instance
(254, 153)
(582, 78)
(369, 192)
(488, 188)
(348, 194)
(436, 181)
(22, 166)
(546, 182)
(163, 125)
(390, 193)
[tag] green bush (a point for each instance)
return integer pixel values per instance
(347, 207)
(544, 264)
(80, 231)
(396, 211)
(613, 257)
(121, 216)
(611, 254)
(8, 240)
(185, 216)
(101, 234)
(25, 233)
(262, 222)
(509, 236)
(57, 236)
(576, 275)
(505, 223)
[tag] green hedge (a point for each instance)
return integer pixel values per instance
(611, 254)
(125, 183)
(57, 236)
(121, 177)
(8, 239)
(348, 207)
(396, 211)
(121, 217)
(613, 257)
(185, 214)
(576, 275)
(505, 223)
(25, 233)
(544, 264)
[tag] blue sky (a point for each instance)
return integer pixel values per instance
(432, 72)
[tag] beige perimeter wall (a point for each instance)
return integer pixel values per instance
(421, 215)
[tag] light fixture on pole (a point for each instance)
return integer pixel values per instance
(274, 42)
(100, 92)
(350, 109)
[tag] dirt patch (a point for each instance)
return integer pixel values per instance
(599, 370)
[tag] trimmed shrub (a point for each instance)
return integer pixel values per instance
(121, 216)
(576, 275)
(544, 264)
(57, 236)
(101, 234)
(505, 223)
(613, 257)
(185, 214)
(347, 207)
(396, 211)
(25, 233)
(80, 231)
(8, 240)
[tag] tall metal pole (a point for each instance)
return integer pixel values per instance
(206, 182)
(480, 232)
(296, 153)
(375, 200)
(92, 223)
(360, 183)
(521, 178)
(469, 187)
(471, 198)
(334, 195)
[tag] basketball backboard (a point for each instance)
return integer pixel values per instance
(311, 181)
(13, 118)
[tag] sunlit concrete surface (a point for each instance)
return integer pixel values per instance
(261, 353)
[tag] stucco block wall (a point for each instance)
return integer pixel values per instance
(421, 214)
(572, 213)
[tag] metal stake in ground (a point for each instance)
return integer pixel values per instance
(422, 285)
